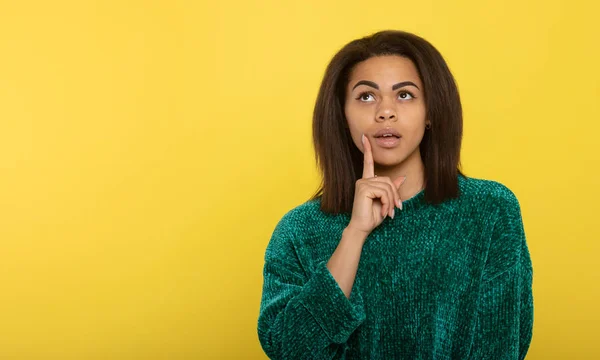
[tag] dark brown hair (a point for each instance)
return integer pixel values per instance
(340, 161)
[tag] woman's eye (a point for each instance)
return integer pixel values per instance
(405, 95)
(364, 96)
(368, 97)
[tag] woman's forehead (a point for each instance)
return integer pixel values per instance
(385, 71)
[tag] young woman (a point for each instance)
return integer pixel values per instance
(398, 255)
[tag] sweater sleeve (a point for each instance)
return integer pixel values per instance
(504, 325)
(303, 315)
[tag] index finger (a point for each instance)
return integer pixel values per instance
(368, 166)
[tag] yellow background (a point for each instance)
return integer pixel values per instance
(148, 148)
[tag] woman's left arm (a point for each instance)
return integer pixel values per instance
(505, 313)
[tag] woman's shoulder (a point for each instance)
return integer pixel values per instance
(299, 223)
(499, 204)
(303, 212)
(299, 216)
(308, 218)
(487, 190)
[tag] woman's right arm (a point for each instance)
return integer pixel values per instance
(312, 314)
(343, 264)
(306, 316)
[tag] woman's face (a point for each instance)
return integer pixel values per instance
(385, 94)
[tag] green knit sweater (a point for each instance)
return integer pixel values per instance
(447, 281)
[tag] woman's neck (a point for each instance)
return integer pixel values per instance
(412, 168)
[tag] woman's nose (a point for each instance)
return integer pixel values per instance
(386, 113)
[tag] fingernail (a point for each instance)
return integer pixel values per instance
(399, 203)
(363, 138)
(393, 213)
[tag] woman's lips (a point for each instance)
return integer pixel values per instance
(387, 142)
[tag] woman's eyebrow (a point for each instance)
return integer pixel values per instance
(394, 87)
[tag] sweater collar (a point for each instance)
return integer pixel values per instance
(418, 200)
(414, 202)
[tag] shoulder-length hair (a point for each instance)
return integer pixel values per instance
(340, 161)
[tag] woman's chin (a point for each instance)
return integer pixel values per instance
(389, 163)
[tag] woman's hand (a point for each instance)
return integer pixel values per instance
(374, 197)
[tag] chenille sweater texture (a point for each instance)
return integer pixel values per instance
(445, 281)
